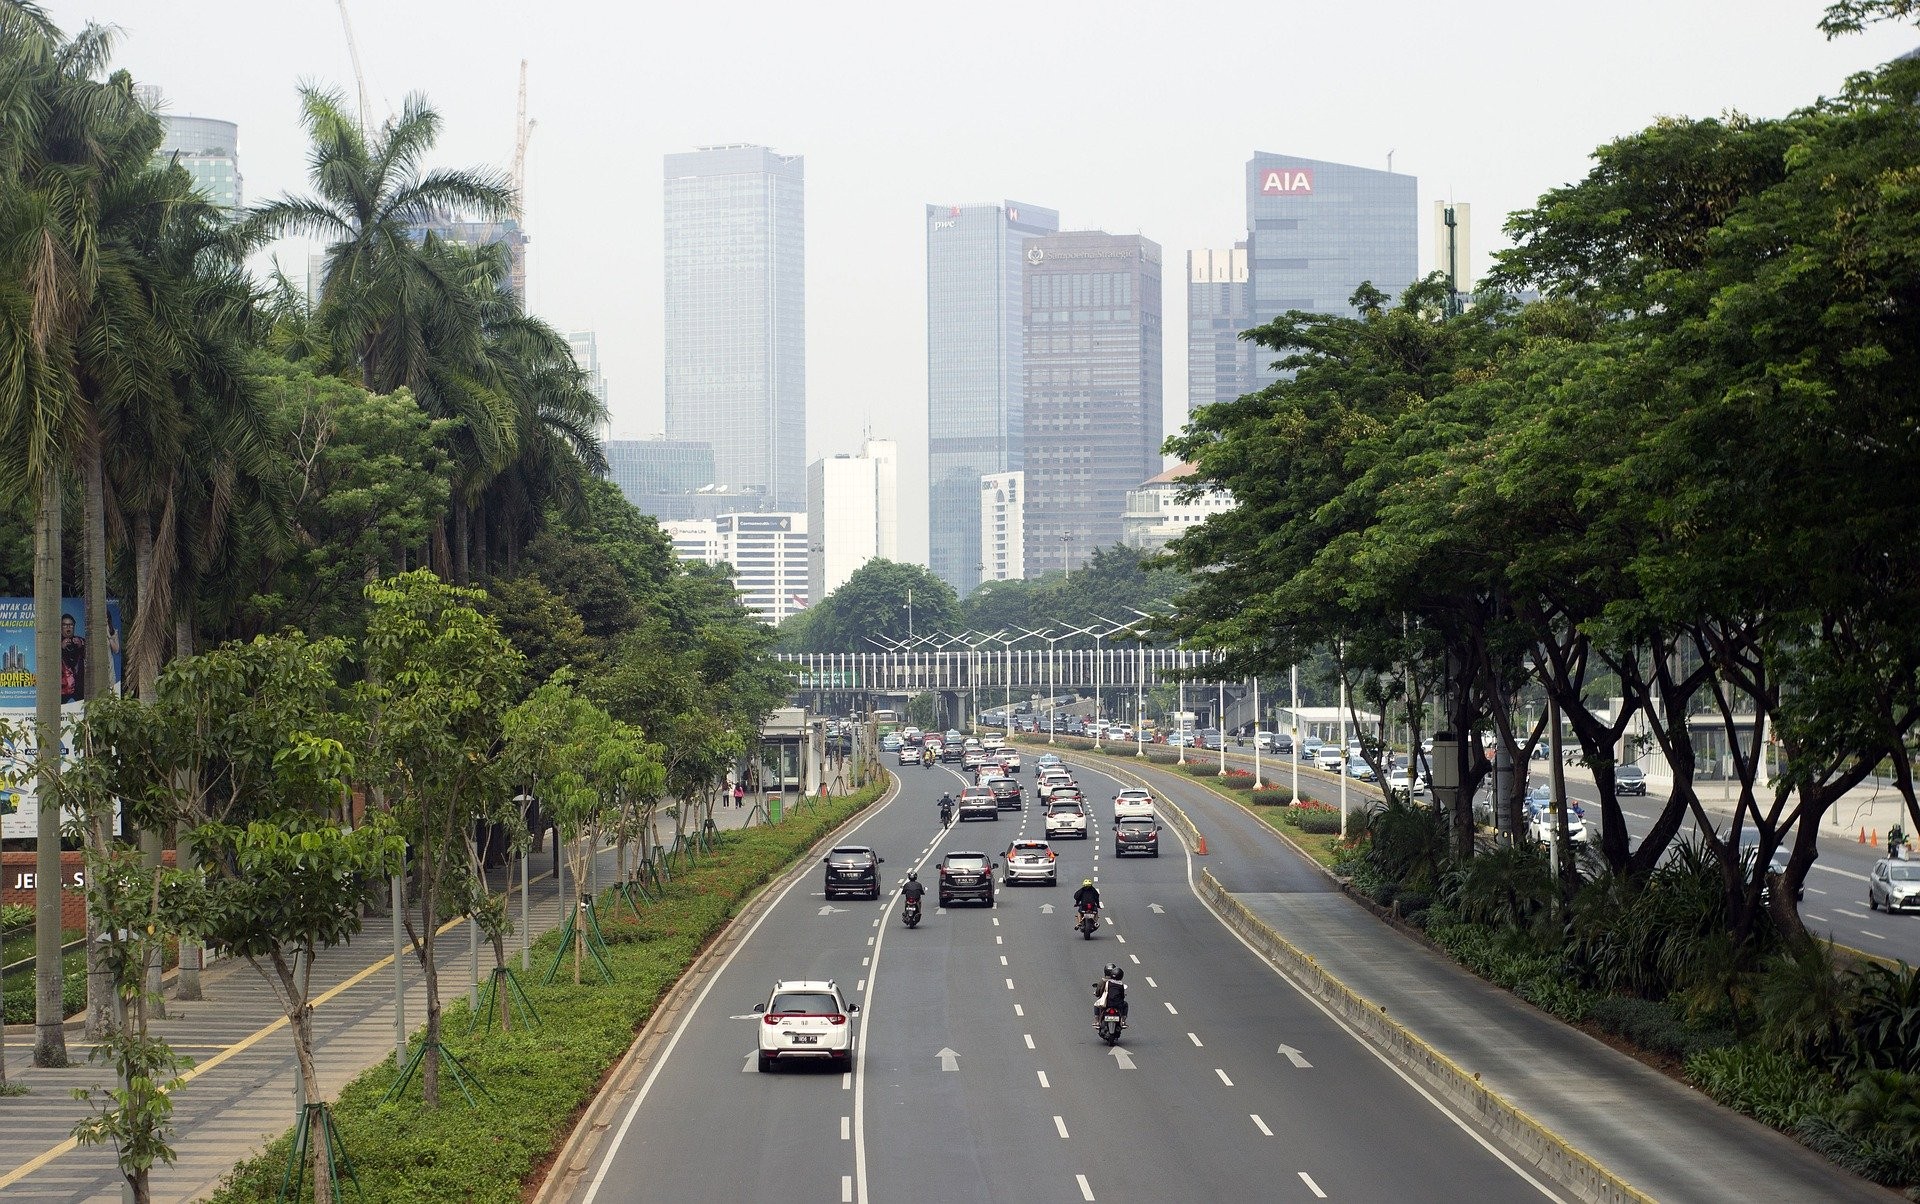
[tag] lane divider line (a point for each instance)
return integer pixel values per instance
(1260, 1124)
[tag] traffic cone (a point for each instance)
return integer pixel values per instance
(1200, 850)
(1873, 837)
(1863, 836)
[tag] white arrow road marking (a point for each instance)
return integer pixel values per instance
(1312, 1186)
(1122, 1057)
(1260, 1124)
(1156, 909)
(830, 909)
(1293, 1055)
(949, 1060)
(1046, 909)
(1060, 1124)
(747, 1065)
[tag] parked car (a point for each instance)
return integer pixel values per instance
(852, 869)
(1032, 861)
(805, 1019)
(1136, 836)
(966, 875)
(1629, 779)
(1894, 885)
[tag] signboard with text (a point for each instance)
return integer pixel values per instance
(1286, 181)
(19, 674)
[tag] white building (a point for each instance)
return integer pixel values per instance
(767, 552)
(1155, 514)
(1003, 529)
(853, 514)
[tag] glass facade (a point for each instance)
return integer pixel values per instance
(736, 335)
(1219, 307)
(642, 467)
(976, 380)
(209, 150)
(1316, 231)
(1093, 345)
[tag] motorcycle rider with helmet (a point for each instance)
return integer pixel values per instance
(1110, 992)
(1087, 898)
(946, 810)
(913, 889)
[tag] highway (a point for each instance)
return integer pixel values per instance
(979, 1075)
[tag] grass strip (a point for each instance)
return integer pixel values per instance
(539, 1079)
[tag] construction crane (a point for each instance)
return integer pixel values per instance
(359, 76)
(522, 131)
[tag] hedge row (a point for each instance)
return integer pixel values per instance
(537, 1080)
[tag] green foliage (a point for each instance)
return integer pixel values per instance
(1657, 1027)
(872, 604)
(547, 631)
(1407, 844)
(1507, 888)
(1884, 1021)
(1774, 1088)
(1272, 797)
(15, 915)
(1113, 583)
(1803, 1001)
(294, 883)
(538, 1079)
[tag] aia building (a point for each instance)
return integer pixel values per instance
(1316, 231)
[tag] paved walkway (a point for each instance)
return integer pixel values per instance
(1666, 1139)
(241, 1094)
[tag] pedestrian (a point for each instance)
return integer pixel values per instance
(739, 795)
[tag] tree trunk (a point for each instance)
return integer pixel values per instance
(50, 1039)
(461, 542)
(101, 989)
(482, 537)
(430, 1068)
(193, 955)
(300, 1018)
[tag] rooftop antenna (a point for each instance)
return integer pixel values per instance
(522, 132)
(1390, 161)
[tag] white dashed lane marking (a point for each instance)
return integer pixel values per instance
(1028, 1038)
(1171, 1008)
(1060, 1124)
(1043, 1078)
(1195, 1038)
(1223, 1076)
(1086, 1189)
(1261, 1124)
(1312, 1186)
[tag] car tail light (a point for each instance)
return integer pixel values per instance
(837, 1018)
(771, 1018)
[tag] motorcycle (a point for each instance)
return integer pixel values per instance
(1110, 1025)
(911, 912)
(1089, 921)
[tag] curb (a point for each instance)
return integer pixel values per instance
(574, 1160)
(1537, 1144)
(1182, 823)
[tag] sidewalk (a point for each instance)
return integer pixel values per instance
(1660, 1136)
(241, 1094)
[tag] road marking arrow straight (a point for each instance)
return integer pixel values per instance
(1293, 1055)
(830, 909)
(949, 1060)
(1046, 909)
(1156, 909)
(1123, 1058)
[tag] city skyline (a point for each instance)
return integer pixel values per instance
(1163, 161)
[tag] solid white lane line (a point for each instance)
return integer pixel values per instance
(846, 1128)
(1223, 1076)
(1043, 1078)
(1858, 915)
(1018, 1010)
(1060, 1124)
(1086, 1189)
(1260, 1124)
(1312, 1186)
(1171, 1008)
(1135, 957)
(846, 1189)
(1028, 1037)
(1876, 936)
(1151, 983)
(1195, 1038)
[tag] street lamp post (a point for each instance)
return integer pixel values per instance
(1099, 666)
(1140, 688)
(1340, 666)
(1220, 725)
(1293, 704)
(1256, 733)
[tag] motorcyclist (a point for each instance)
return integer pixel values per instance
(946, 810)
(926, 758)
(1086, 899)
(914, 888)
(1110, 992)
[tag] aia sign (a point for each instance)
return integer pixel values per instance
(1286, 181)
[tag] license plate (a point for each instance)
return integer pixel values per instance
(805, 1039)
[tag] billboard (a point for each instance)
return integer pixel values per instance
(19, 672)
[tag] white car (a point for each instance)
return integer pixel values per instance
(1120, 731)
(1066, 818)
(1542, 824)
(1009, 757)
(806, 1019)
(1051, 780)
(1032, 861)
(909, 755)
(1328, 758)
(992, 744)
(1133, 803)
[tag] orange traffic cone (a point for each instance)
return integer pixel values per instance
(1873, 837)
(1200, 850)
(1863, 836)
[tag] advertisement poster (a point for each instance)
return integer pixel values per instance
(19, 812)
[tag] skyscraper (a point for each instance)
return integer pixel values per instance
(585, 345)
(208, 148)
(454, 228)
(976, 381)
(767, 552)
(1316, 231)
(853, 514)
(1093, 428)
(1002, 526)
(1220, 364)
(736, 323)
(647, 468)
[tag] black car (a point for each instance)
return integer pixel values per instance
(952, 752)
(966, 876)
(1007, 792)
(1136, 836)
(1629, 779)
(853, 870)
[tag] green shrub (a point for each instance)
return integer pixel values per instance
(15, 915)
(1885, 1025)
(1771, 1087)
(1272, 797)
(1884, 1155)
(1313, 822)
(538, 1079)
(1656, 1027)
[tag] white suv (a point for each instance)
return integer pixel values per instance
(1066, 817)
(805, 1018)
(1132, 803)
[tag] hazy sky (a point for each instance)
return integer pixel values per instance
(1124, 116)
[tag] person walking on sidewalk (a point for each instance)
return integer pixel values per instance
(739, 795)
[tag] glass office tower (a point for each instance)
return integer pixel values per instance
(1219, 307)
(736, 325)
(1316, 231)
(1093, 390)
(976, 382)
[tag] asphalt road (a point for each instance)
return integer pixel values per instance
(979, 1075)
